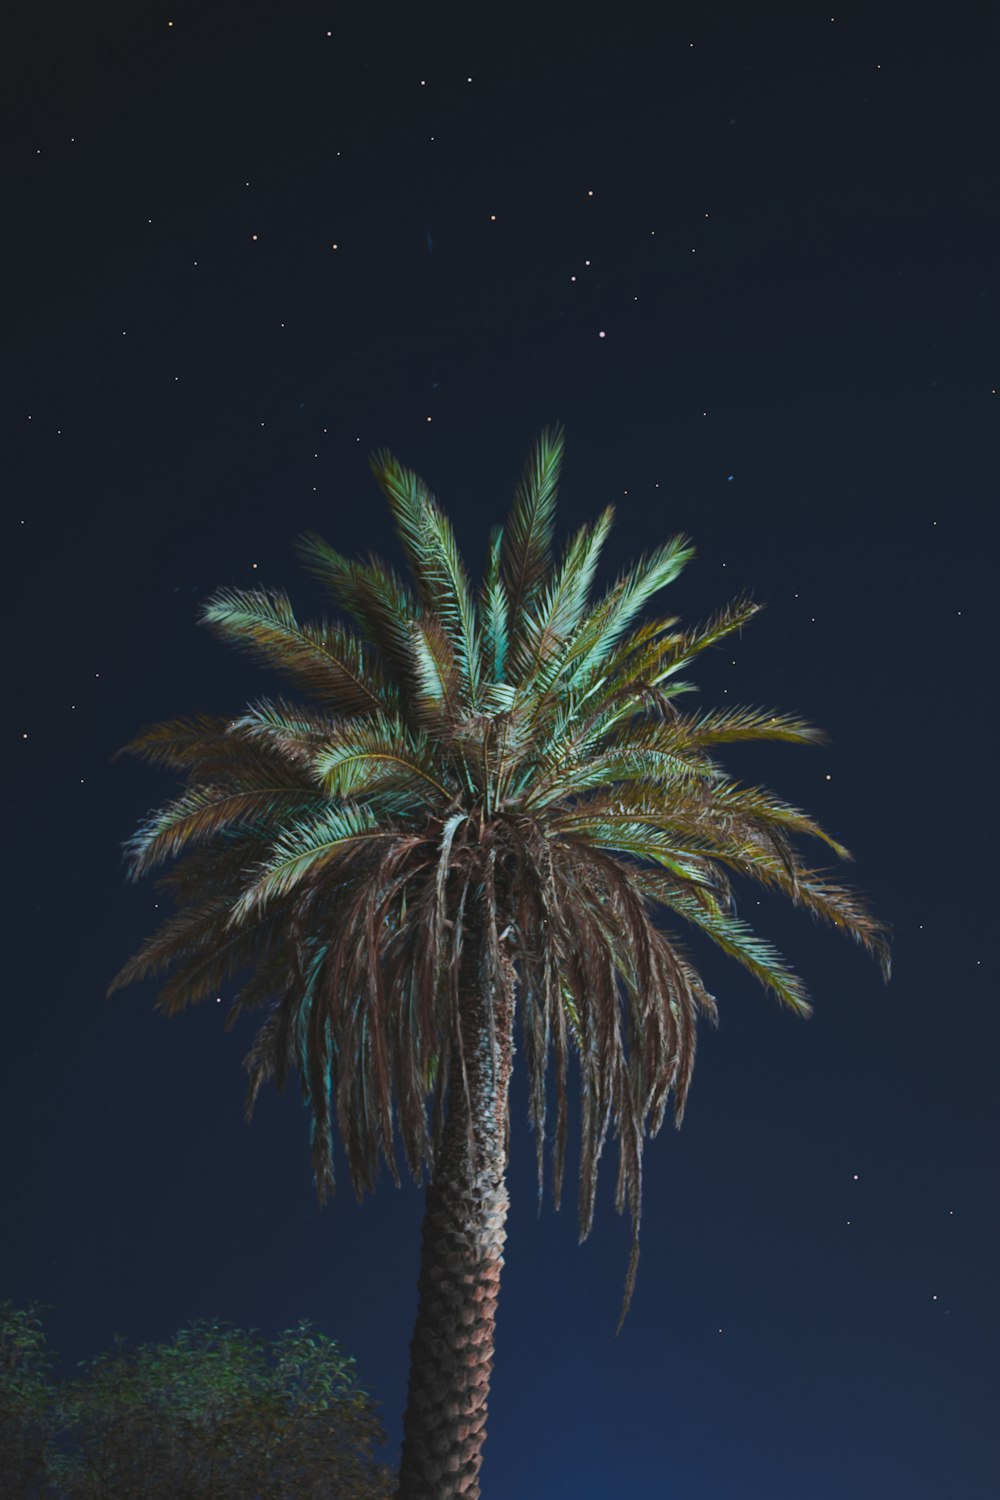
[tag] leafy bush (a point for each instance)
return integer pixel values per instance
(216, 1414)
(28, 1415)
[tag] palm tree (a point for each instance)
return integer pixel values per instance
(485, 805)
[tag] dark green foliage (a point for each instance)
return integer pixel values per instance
(215, 1414)
(28, 1409)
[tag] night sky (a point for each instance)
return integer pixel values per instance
(747, 256)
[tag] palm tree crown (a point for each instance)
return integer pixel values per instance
(508, 767)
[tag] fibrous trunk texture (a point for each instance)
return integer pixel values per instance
(451, 1354)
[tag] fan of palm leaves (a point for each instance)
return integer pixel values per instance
(509, 767)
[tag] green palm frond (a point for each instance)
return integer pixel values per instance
(287, 734)
(646, 842)
(411, 503)
(437, 681)
(726, 726)
(366, 755)
(640, 664)
(763, 807)
(305, 848)
(738, 939)
(560, 606)
(452, 601)
(527, 538)
(201, 812)
(372, 593)
(279, 722)
(324, 660)
(689, 644)
(836, 905)
(618, 767)
(612, 616)
(495, 613)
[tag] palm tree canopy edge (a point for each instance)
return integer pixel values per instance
(508, 767)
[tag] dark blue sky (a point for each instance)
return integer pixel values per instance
(784, 224)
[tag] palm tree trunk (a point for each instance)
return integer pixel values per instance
(451, 1354)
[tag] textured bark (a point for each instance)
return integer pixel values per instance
(451, 1354)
